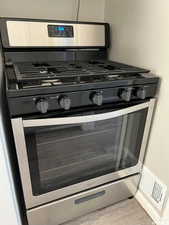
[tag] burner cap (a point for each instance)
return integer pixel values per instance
(43, 71)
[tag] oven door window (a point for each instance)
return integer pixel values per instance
(63, 155)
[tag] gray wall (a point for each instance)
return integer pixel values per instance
(53, 9)
(140, 36)
(92, 10)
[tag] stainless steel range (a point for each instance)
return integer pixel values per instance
(80, 122)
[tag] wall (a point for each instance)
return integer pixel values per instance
(9, 213)
(8, 206)
(92, 10)
(40, 9)
(140, 36)
(53, 9)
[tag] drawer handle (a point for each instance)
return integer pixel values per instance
(90, 197)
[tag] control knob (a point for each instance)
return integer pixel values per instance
(141, 93)
(42, 105)
(65, 102)
(125, 94)
(97, 98)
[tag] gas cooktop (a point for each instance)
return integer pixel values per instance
(46, 74)
(53, 74)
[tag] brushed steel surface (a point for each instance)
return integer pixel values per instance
(147, 128)
(33, 201)
(35, 34)
(64, 210)
(128, 212)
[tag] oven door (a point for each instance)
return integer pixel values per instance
(59, 157)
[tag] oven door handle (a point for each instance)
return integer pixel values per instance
(83, 119)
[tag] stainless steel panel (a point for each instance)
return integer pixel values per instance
(35, 34)
(33, 201)
(83, 119)
(61, 211)
(147, 129)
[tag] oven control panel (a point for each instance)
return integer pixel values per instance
(69, 100)
(60, 31)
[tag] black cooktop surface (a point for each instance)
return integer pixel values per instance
(46, 74)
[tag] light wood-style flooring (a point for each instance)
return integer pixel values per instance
(124, 213)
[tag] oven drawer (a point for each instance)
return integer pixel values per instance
(69, 208)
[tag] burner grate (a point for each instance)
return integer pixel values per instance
(40, 74)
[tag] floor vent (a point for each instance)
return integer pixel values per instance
(153, 188)
(157, 192)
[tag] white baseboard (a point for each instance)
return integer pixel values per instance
(158, 197)
(149, 208)
(158, 211)
(165, 220)
(151, 211)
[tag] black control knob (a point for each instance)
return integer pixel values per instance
(42, 105)
(97, 98)
(125, 94)
(141, 93)
(65, 102)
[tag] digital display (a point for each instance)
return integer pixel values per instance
(60, 28)
(60, 31)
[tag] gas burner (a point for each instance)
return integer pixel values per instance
(43, 71)
(54, 70)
